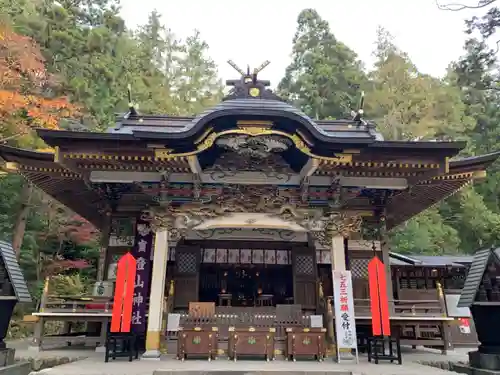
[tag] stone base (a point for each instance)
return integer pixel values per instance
(151, 355)
(23, 368)
(7, 357)
(464, 369)
(484, 361)
(250, 372)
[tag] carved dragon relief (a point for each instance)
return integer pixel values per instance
(275, 203)
(232, 164)
(248, 153)
(260, 146)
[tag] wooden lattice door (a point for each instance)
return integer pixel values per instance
(187, 271)
(304, 277)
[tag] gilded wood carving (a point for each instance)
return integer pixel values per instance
(269, 201)
(211, 138)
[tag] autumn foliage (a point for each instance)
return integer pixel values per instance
(79, 230)
(67, 229)
(24, 87)
(64, 226)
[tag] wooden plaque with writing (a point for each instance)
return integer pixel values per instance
(202, 309)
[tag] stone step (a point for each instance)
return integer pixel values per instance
(250, 372)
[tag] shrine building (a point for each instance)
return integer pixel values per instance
(249, 206)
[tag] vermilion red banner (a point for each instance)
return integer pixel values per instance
(129, 293)
(124, 294)
(379, 301)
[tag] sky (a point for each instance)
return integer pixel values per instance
(250, 33)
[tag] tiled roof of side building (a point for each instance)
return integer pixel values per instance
(14, 272)
(430, 260)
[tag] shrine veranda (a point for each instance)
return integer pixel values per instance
(249, 206)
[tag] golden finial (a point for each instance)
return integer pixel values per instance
(439, 288)
(236, 67)
(171, 289)
(261, 67)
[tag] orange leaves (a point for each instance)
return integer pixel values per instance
(79, 230)
(22, 79)
(20, 58)
(33, 111)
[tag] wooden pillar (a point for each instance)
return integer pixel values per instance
(157, 295)
(338, 254)
(101, 274)
(445, 326)
(384, 248)
(36, 342)
(101, 266)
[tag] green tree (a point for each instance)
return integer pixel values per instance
(486, 25)
(178, 77)
(198, 84)
(408, 105)
(157, 54)
(325, 75)
(95, 57)
(425, 234)
(477, 225)
(87, 45)
(475, 73)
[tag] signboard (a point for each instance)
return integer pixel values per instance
(464, 325)
(173, 322)
(112, 268)
(345, 324)
(142, 252)
(452, 307)
(316, 321)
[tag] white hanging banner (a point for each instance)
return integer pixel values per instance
(345, 322)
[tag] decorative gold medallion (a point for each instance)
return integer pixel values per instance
(254, 91)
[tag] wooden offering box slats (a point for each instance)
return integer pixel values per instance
(251, 342)
(197, 342)
(305, 343)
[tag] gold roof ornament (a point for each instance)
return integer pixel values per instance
(248, 85)
(254, 92)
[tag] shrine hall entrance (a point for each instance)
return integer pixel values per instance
(246, 274)
(246, 285)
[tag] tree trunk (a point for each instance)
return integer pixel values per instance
(22, 216)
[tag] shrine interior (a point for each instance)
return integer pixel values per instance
(246, 284)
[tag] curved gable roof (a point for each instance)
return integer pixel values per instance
(274, 108)
(178, 128)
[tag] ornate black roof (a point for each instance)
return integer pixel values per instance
(286, 114)
(250, 98)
